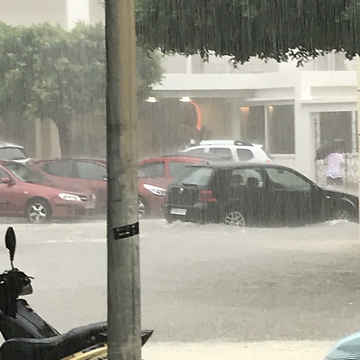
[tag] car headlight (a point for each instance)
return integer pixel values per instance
(69, 197)
(155, 190)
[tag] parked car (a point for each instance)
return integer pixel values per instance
(9, 151)
(92, 173)
(249, 194)
(151, 196)
(88, 173)
(235, 150)
(24, 192)
(156, 173)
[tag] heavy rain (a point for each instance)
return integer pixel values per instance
(231, 159)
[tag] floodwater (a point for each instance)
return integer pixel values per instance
(208, 291)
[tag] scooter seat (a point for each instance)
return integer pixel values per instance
(54, 348)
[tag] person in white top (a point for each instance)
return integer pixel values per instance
(334, 163)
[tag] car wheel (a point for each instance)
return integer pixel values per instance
(342, 214)
(169, 219)
(38, 211)
(235, 218)
(142, 208)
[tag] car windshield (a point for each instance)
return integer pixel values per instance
(12, 153)
(25, 173)
(192, 175)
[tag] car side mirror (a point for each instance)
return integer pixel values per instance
(10, 243)
(7, 181)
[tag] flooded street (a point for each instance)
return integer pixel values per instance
(208, 291)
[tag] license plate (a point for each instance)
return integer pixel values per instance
(176, 211)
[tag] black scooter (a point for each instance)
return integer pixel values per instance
(30, 337)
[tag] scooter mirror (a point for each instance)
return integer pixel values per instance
(10, 243)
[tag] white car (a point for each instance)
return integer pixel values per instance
(235, 150)
(9, 151)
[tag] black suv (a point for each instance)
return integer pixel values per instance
(249, 194)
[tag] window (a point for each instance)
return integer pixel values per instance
(90, 171)
(3, 174)
(281, 122)
(24, 173)
(12, 153)
(151, 170)
(249, 177)
(196, 151)
(198, 176)
(220, 152)
(59, 168)
(244, 154)
(176, 166)
(282, 178)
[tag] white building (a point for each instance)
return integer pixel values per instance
(290, 110)
(63, 12)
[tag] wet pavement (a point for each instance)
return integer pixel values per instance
(206, 289)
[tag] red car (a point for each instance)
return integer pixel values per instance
(88, 173)
(24, 192)
(155, 174)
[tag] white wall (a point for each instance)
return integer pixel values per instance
(64, 12)
(28, 12)
(77, 10)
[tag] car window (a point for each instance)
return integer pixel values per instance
(196, 151)
(251, 178)
(150, 170)
(282, 178)
(176, 166)
(3, 174)
(12, 153)
(58, 168)
(244, 154)
(199, 176)
(90, 171)
(220, 151)
(25, 173)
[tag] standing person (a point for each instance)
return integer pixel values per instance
(334, 162)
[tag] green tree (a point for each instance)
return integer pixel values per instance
(276, 29)
(51, 73)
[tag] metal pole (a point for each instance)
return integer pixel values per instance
(122, 219)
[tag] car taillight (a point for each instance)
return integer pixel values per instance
(268, 161)
(206, 196)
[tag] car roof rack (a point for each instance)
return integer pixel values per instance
(204, 156)
(224, 142)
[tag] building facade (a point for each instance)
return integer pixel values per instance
(291, 110)
(63, 12)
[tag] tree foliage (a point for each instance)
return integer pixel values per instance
(276, 29)
(48, 72)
